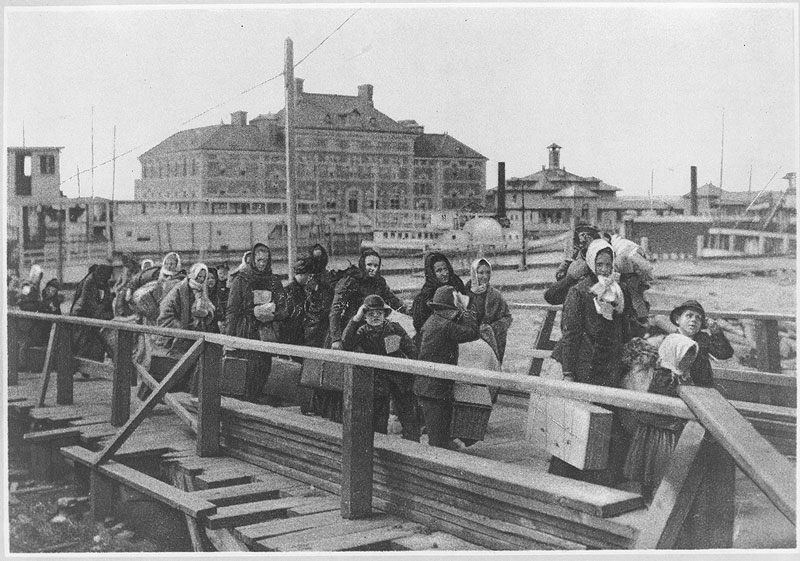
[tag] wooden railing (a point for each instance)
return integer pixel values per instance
(709, 411)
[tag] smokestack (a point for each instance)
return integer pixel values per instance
(554, 156)
(693, 192)
(501, 188)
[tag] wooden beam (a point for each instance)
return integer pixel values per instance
(48, 365)
(542, 341)
(357, 442)
(208, 393)
(768, 469)
(177, 372)
(675, 493)
(768, 341)
(170, 400)
(65, 367)
(121, 384)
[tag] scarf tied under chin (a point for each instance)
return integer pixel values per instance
(608, 296)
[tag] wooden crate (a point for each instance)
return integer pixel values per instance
(284, 380)
(472, 406)
(575, 431)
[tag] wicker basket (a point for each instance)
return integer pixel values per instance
(472, 406)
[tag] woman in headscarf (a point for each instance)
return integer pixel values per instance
(490, 308)
(571, 271)
(438, 272)
(256, 301)
(212, 288)
(186, 306)
(654, 436)
(348, 296)
(308, 306)
(92, 300)
(319, 256)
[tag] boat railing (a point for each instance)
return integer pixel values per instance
(710, 417)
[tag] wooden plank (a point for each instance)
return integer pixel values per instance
(768, 469)
(150, 486)
(238, 494)
(341, 528)
(215, 479)
(175, 374)
(439, 541)
(169, 399)
(676, 492)
(208, 415)
(357, 442)
(324, 504)
(54, 434)
(48, 365)
(251, 533)
(65, 368)
(359, 539)
(121, 382)
(250, 513)
(768, 354)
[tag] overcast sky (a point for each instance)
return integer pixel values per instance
(624, 89)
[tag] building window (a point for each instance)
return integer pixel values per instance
(194, 167)
(394, 203)
(184, 167)
(47, 165)
(352, 202)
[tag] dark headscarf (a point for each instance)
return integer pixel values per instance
(321, 263)
(432, 283)
(101, 273)
(250, 270)
(212, 292)
(362, 263)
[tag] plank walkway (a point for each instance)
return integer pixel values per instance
(261, 510)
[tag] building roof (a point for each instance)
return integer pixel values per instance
(442, 146)
(215, 137)
(32, 148)
(337, 112)
(551, 179)
(575, 192)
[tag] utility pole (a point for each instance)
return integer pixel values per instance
(92, 152)
(110, 205)
(652, 173)
(291, 206)
(319, 201)
(374, 199)
(722, 148)
(523, 259)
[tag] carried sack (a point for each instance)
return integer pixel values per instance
(146, 298)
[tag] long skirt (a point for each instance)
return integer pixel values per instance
(648, 456)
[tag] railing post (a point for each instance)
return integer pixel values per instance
(123, 373)
(65, 365)
(209, 372)
(768, 345)
(13, 352)
(543, 342)
(357, 442)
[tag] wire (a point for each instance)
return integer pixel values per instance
(217, 106)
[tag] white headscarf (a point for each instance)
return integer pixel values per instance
(35, 273)
(608, 295)
(474, 287)
(146, 264)
(194, 272)
(165, 273)
(672, 351)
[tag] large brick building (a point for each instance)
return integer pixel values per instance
(350, 157)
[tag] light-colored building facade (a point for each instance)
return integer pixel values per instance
(350, 157)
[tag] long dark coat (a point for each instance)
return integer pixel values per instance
(308, 313)
(708, 344)
(420, 312)
(361, 337)
(175, 312)
(490, 308)
(93, 299)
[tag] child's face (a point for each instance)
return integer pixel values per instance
(372, 264)
(441, 271)
(603, 264)
(211, 282)
(374, 318)
(690, 322)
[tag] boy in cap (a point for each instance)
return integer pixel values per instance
(370, 331)
(690, 318)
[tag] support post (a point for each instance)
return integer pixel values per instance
(208, 384)
(768, 345)
(13, 352)
(291, 187)
(65, 366)
(48, 365)
(123, 372)
(543, 342)
(699, 243)
(357, 442)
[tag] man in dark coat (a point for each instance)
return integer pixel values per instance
(448, 326)
(690, 318)
(256, 301)
(93, 299)
(308, 304)
(370, 331)
(572, 270)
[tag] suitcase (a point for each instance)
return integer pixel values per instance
(322, 375)
(235, 371)
(284, 381)
(472, 406)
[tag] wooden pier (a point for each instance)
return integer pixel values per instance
(237, 476)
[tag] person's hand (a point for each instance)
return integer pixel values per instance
(362, 310)
(713, 327)
(336, 345)
(486, 331)
(577, 269)
(568, 377)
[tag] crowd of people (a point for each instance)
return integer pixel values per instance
(604, 319)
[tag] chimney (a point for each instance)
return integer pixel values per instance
(693, 192)
(298, 86)
(365, 92)
(554, 155)
(239, 118)
(791, 177)
(412, 125)
(501, 188)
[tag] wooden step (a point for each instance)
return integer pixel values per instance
(251, 533)
(250, 513)
(221, 478)
(359, 540)
(293, 541)
(239, 494)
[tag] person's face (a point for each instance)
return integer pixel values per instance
(50, 292)
(374, 318)
(441, 272)
(171, 263)
(261, 259)
(603, 264)
(690, 322)
(201, 277)
(211, 281)
(484, 273)
(223, 274)
(584, 239)
(372, 264)
(317, 254)
(302, 278)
